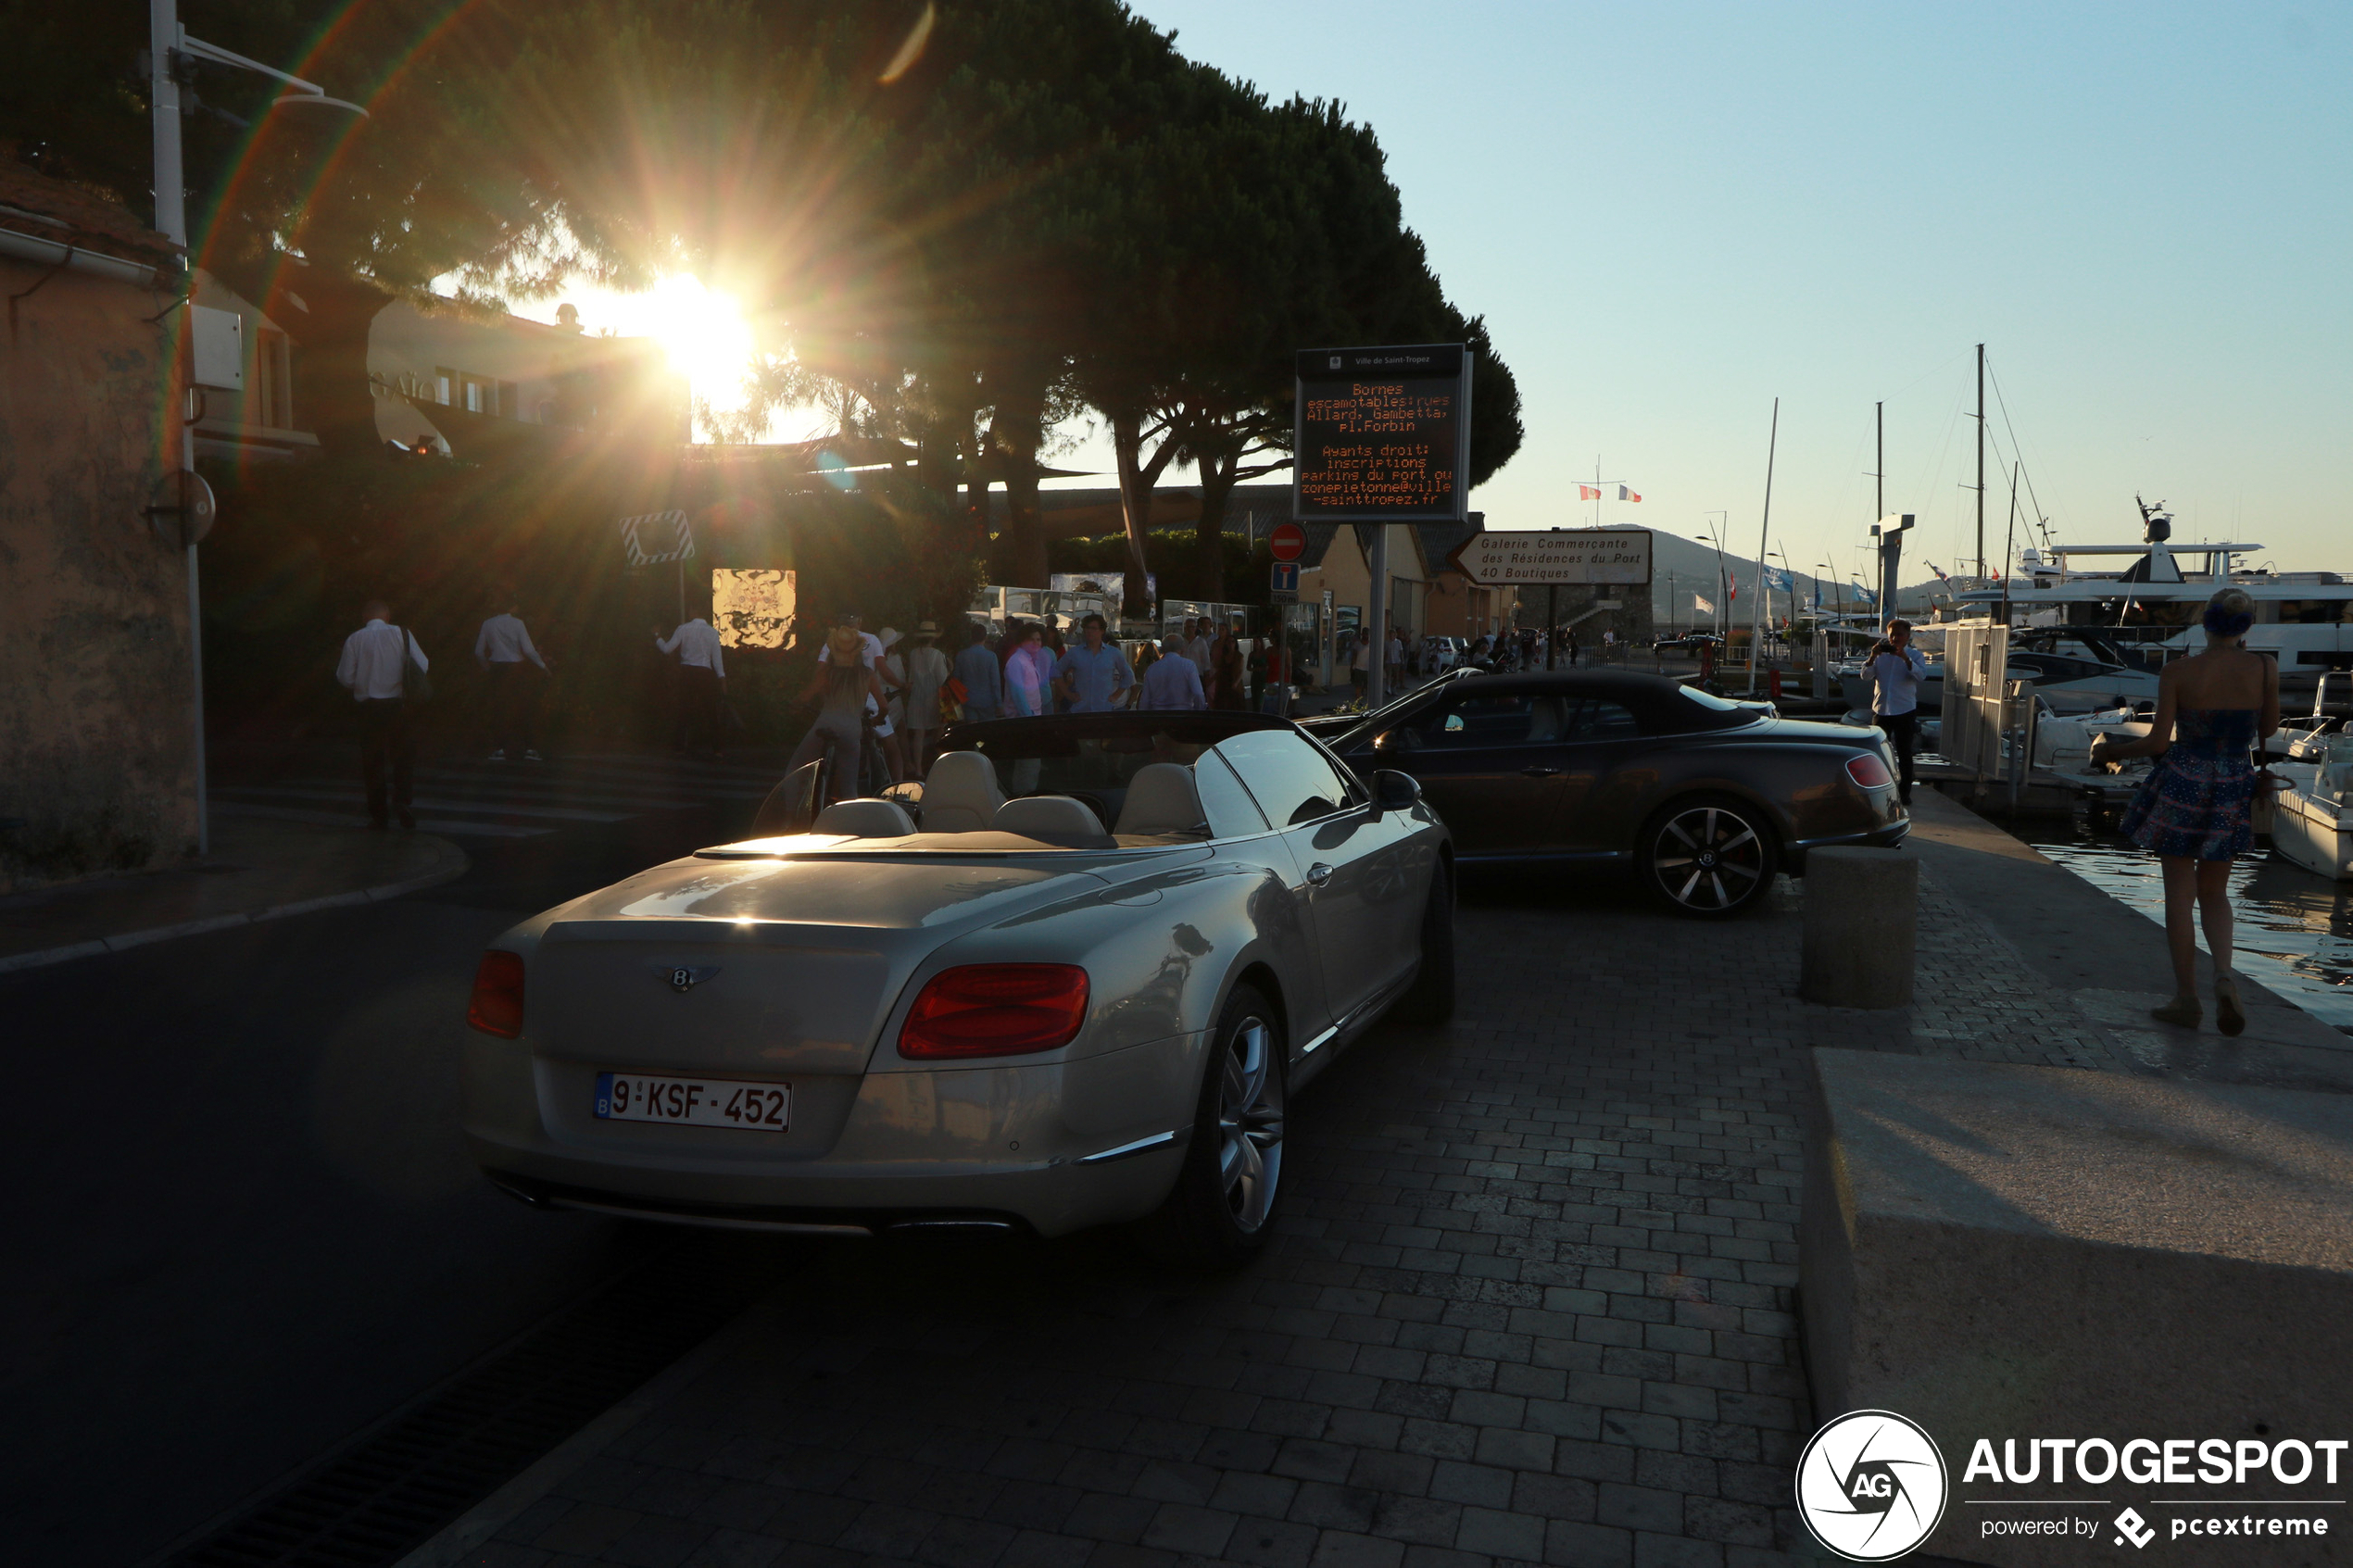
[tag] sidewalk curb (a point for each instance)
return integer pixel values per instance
(486, 1518)
(447, 872)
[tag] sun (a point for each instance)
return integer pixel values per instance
(705, 335)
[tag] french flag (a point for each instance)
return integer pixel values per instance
(1626, 495)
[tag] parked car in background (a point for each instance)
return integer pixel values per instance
(1080, 990)
(1705, 797)
(1687, 642)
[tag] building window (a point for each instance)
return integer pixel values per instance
(270, 395)
(445, 384)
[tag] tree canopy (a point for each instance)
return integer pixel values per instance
(959, 223)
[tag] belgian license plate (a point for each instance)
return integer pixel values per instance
(694, 1102)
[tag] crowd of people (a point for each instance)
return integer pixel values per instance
(881, 698)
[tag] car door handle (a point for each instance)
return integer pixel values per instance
(1318, 875)
(1538, 773)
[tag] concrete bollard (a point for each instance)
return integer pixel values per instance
(1862, 915)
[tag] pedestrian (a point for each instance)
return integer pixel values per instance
(501, 647)
(2193, 810)
(1229, 674)
(1174, 680)
(1359, 664)
(1396, 661)
(871, 654)
(1201, 647)
(926, 672)
(1274, 676)
(374, 670)
(1572, 648)
(1896, 668)
(890, 716)
(1091, 677)
(701, 682)
(844, 687)
(982, 676)
(1029, 675)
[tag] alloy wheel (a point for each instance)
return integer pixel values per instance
(1708, 859)
(1250, 1125)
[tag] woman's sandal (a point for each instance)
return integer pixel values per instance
(2181, 1011)
(2229, 1017)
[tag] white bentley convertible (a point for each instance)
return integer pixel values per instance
(1076, 984)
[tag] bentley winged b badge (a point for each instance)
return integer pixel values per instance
(682, 979)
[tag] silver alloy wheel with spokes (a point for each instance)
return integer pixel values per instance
(1709, 859)
(1250, 1125)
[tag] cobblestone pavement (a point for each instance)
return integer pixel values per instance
(1532, 1303)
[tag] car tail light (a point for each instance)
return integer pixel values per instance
(497, 1007)
(995, 1009)
(1868, 772)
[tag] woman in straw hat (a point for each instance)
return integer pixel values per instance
(842, 686)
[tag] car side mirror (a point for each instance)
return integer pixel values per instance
(1394, 791)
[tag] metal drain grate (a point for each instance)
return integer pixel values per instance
(396, 1487)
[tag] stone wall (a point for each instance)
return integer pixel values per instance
(96, 749)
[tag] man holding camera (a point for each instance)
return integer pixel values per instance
(1896, 670)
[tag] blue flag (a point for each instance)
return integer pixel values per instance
(1775, 577)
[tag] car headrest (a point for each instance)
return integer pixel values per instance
(1052, 819)
(961, 794)
(865, 818)
(1162, 797)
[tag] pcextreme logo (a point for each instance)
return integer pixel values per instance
(1871, 1486)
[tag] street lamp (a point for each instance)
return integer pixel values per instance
(169, 46)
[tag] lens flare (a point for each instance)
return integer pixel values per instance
(705, 335)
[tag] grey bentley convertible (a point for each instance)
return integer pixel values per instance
(1072, 980)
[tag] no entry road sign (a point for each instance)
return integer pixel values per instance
(1289, 542)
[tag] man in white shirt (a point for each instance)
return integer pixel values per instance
(373, 670)
(500, 648)
(1202, 648)
(702, 682)
(1896, 669)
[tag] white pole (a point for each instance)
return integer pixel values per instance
(172, 221)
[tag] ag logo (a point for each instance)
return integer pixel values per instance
(1871, 1486)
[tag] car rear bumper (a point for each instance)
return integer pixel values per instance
(1045, 1148)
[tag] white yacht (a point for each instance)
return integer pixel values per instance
(2311, 811)
(2304, 619)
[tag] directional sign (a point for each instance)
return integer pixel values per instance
(1587, 556)
(652, 538)
(1289, 542)
(1382, 434)
(1286, 577)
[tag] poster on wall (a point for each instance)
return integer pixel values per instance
(752, 608)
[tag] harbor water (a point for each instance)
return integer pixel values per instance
(2294, 928)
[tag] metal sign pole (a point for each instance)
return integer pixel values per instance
(1376, 612)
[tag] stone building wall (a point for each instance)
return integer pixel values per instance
(96, 745)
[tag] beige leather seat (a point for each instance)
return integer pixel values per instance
(865, 818)
(961, 794)
(1162, 797)
(1051, 818)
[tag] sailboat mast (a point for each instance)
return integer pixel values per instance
(1981, 465)
(1764, 534)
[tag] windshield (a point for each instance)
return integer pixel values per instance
(1381, 716)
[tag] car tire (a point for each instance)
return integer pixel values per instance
(1431, 998)
(1223, 1208)
(1708, 856)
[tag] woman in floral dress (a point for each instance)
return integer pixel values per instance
(2192, 811)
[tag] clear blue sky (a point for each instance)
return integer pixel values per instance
(1671, 213)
